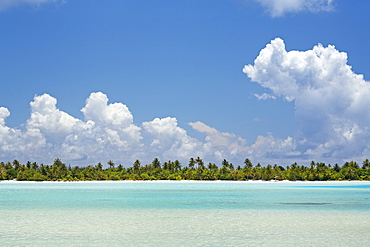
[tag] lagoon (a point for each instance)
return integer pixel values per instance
(184, 213)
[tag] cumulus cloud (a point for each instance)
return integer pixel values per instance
(332, 108)
(5, 4)
(278, 8)
(108, 132)
(164, 135)
(15, 142)
(331, 101)
(115, 117)
(49, 120)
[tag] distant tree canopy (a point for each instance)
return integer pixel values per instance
(172, 170)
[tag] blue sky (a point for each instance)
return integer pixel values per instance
(175, 71)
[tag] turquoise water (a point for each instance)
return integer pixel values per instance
(185, 213)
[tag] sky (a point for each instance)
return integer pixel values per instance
(274, 81)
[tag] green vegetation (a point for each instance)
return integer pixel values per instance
(195, 170)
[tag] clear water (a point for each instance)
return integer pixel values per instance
(185, 214)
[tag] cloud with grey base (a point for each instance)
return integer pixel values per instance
(331, 101)
(108, 132)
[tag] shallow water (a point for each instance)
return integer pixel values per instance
(185, 214)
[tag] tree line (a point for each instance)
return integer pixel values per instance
(196, 169)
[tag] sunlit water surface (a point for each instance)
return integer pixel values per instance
(184, 213)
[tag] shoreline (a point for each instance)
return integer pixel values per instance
(194, 181)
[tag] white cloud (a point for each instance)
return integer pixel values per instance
(217, 138)
(278, 8)
(49, 120)
(116, 117)
(164, 136)
(108, 132)
(331, 101)
(230, 146)
(4, 113)
(5, 4)
(331, 105)
(264, 96)
(15, 142)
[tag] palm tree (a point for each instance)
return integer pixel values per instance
(366, 164)
(191, 163)
(247, 164)
(212, 166)
(336, 167)
(99, 166)
(16, 164)
(2, 173)
(156, 164)
(34, 166)
(177, 165)
(136, 166)
(111, 164)
(200, 163)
